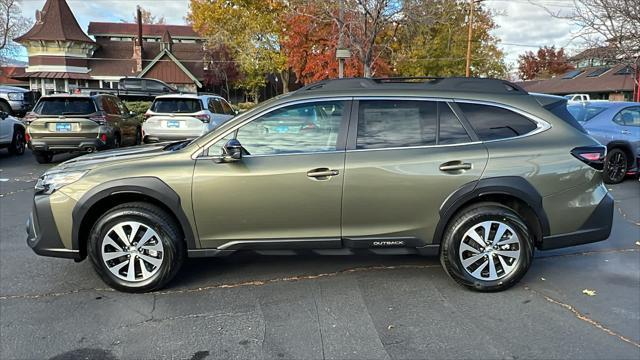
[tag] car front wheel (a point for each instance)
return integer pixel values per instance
(136, 247)
(487, 247)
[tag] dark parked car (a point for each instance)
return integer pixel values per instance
(616, 125)
(78, 123)
(134, 89)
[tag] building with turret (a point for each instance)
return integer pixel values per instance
(63, 57)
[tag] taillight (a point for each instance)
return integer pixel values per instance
(103, 138)
(30, 117)
(27, 137)
(204, 118)
(100, 119)
(591, 155)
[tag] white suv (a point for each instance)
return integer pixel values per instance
(184, 116)
(12, 134)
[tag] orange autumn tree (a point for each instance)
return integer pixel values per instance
(310, 46)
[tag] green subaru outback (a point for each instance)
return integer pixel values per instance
(476, 171)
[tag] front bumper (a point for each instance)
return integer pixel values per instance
(596, 228)
(42, 234)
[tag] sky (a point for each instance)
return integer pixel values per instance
(522, 25)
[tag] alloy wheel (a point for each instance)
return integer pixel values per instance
(489, 250)
(617, 166)
(132, 251)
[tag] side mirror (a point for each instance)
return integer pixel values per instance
(3, 115)
(232, 151)
(236, 112)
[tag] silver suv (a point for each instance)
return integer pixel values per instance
(184, 116)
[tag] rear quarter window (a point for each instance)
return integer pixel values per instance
(65, 106)
(494, 123)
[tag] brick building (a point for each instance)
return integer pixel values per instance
(62, 56)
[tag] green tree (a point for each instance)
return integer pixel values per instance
(251, 30)
(438, 47)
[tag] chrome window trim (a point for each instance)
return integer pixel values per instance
(541, 125)
(196, 154)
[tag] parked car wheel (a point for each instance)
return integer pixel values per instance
(136, 247)
(43, 157)
(116, 141)
(487, 247)
(4, 107)
(138, 136)
(615, 166)
(18, 143)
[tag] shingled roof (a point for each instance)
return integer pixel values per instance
(55, 22)
(110, 28)
(613, 79)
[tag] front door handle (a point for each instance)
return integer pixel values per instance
(455, 166)
(626, 132)
(322, 173)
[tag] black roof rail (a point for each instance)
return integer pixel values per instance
(431, 83)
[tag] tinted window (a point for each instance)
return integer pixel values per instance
(110, 106)
(154, 85)
(392, 123)
(299, 128)
(584, 113)
(492, 122)
(215, 106)
(176, 105)
(451, 130)
(133, 84)
(65, 106)
(628, 117)
(227, 108)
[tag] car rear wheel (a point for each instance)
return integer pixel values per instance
(43, 157)
(138, 136)
(136, 247)
(18, 142)
(487, 247)
(615, 166)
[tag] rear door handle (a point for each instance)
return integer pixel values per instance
(455, 165)
(322, 173)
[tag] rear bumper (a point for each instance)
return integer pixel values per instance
(42, 233)
(68, 144)
(596, 228)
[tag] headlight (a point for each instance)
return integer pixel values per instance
(48, 183)
(16, 96)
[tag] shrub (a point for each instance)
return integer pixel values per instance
(138, 107)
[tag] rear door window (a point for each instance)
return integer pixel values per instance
(226, 107)
(493, 123)
(65, 106)
(628, 117)
(392, 123)
(215, 106)
(132, 84)
(451, 129)
(176, 106)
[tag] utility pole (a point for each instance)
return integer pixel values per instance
(468, 68)
(341, 39)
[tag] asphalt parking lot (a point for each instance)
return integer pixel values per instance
(351, 307)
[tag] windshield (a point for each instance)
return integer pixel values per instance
(65, 106)
(584, 113)
(176, 106)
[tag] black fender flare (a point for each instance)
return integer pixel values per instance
(149, 186)
(514, 186)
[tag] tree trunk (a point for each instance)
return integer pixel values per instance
(284, 74)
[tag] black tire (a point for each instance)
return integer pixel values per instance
(464, 221)
(117, 142)
(138, 139)
(615, 166)
(43, 157)
(18, 143)
(154, 218)
(4, 107)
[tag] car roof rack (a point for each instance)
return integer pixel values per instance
(423, 83)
